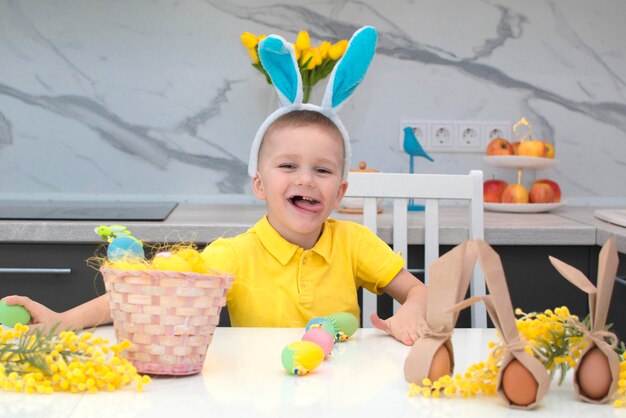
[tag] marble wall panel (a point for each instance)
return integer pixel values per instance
(157, 99)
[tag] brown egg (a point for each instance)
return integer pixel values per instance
(441, 365)
(594, 374)
(518, 385)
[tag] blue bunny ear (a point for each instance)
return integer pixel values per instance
(279, 60)
(351, 69)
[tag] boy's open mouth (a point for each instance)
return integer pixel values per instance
(304, 202)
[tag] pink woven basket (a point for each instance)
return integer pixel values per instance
(169, 317)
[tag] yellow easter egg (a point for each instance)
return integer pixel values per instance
(170, 262)
(194, 259)
(301, 357)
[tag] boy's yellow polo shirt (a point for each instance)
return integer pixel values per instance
(279, 284)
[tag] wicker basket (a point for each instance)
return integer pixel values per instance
(169, 317)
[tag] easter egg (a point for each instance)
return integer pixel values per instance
(301, 357)
(320, 337)
(125, 248)
(518, 384)
(11, 315)
(170, 262)
(194, 259)
(440, 365)
(594, 374)
(320, 322)
(345, 325)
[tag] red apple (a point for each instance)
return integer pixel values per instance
(499, 146)
(541, 193)
(515, 146)
(555, 188)
(492, 190)
(515, 193)
(533, 148)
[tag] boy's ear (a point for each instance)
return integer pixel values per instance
(257, 187)
(343, 187)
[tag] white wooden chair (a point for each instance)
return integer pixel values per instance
(400, 187)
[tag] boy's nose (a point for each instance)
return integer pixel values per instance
(304, 177)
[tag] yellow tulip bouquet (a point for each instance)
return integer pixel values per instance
(315, 62)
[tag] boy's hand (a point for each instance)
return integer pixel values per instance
(39, 314)
(403, 326)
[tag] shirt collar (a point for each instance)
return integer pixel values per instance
(283, 250)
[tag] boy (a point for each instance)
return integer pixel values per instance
(300, 175)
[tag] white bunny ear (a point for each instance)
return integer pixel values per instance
(279, 60)
(351, 69)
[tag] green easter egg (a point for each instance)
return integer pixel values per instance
(11, 315)
(344, 323)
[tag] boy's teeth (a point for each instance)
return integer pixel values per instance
(303, 200)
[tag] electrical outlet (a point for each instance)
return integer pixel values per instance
(469, 137)
(450, 136)
(420, 129)
(442, 136)
(492, 130)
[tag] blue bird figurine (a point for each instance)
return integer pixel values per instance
(412, 147)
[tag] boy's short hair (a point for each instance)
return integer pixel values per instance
(299, 118)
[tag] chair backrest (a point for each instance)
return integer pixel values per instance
(431, 188)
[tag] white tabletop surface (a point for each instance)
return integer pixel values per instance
(243, 377)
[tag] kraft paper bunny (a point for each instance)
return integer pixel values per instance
(527, 382)
(596, 380)
(449, 280)
(279, 60)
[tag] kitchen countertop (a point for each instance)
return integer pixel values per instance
(204, 223)
(243, 377)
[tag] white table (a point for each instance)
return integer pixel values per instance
(243, 377)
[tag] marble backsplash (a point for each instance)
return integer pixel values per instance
(157, 99)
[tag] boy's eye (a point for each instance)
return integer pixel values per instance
(287, 165)
(323, 171)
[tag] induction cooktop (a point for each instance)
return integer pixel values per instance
(85, 210)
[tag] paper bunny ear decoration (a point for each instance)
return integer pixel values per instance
(597, 373)
(279, 60)
(432, 356)
(522, 380)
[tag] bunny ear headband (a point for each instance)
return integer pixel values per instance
(279, 60)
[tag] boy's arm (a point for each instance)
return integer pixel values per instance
(90, 314)
(411, 293)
